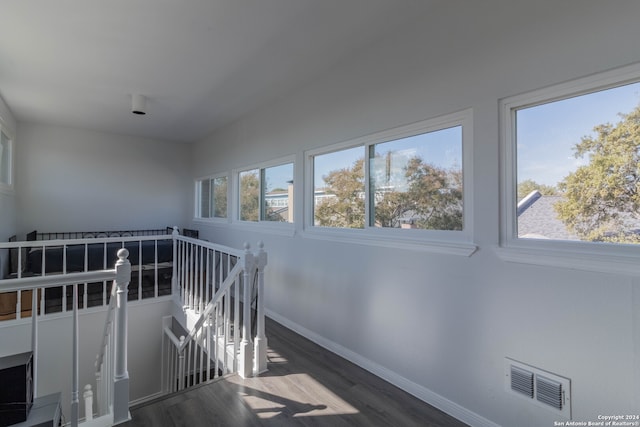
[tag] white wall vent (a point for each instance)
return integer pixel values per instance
(522, 381)
(541, 387)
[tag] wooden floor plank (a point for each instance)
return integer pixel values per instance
(306, 385)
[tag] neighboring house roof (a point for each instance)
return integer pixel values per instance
(540, 221)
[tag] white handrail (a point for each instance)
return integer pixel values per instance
(36, 282)
(198, 267)
(112, 377)
(121, 275)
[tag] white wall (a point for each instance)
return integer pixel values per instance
(77, 180)
(8, 225)
(441, 326)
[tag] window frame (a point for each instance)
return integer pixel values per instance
(277, 227)
(198, 199)
(455, 242)
(592, 256)
(8, 188)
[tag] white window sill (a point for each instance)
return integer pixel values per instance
(601, 259)
(392, 240)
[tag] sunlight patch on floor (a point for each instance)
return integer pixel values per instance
(298, 395)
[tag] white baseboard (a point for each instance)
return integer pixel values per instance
(146, 399)
(422, 393)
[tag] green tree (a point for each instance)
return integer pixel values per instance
(249, 196)
(429, 196)
(345, 205)
(604, 194)
(220, 197)
(435, 194)
(528, 185)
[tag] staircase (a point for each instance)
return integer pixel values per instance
(219, 290)
(217, 296)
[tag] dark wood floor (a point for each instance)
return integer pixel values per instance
(305, 386)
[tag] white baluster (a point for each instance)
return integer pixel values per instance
(245, 365)
(121, 377)
(99, 393)
(174, 276)
(88, 402)
(181, 364)
(260, 354)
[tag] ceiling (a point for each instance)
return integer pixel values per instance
(199, 63)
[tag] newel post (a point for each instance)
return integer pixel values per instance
(121, 377)
(245, 359)
(260, 352)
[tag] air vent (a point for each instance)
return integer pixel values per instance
(549, 392)
(538, 386)
(522, 381)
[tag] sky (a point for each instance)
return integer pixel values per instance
(546, 134)
(442, 148)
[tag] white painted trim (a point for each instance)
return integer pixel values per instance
(266, 226)
(146, 399)
(600, 263)
(435, 241)
(10, 187)
(588, 256)
(197, 200)
(392, 240)
(422, 393)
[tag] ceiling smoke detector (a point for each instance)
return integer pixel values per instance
(138, 104)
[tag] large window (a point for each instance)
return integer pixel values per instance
(578, 167)
(211, 197)
(6, 163)
(266, 194)
(571, 173)
(408, 178)
(416, 182)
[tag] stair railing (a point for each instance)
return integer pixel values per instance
(208, 280)
(112, 375)
(121, 274)
(191, 359)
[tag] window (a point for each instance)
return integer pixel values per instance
(571, 179)
(266, 194)
(416, 177)
(416, 182)
(211, 197)
(249, 195)
(339, 189)
(6, 161)
(577, 163)
(277, 193)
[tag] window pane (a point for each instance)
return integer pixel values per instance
(278, 193)
(250, 195)
(416, 182)
(220, 197)
(577, 168)
(5, 159)
(204, 198)
(339, 189)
